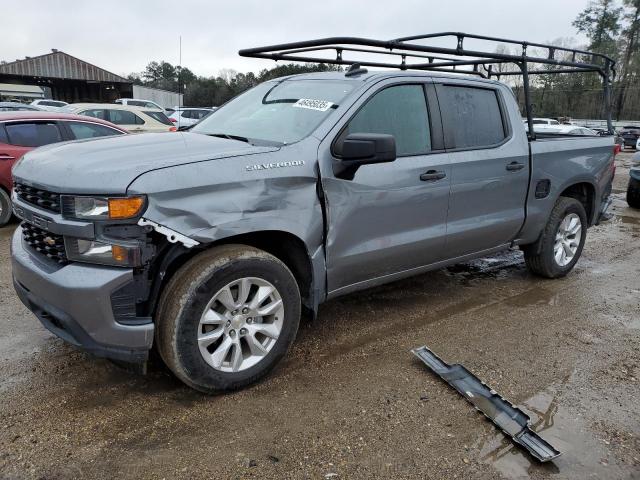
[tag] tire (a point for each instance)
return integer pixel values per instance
(633, 193)
(194, 292)
(5, 208)
(540, 257)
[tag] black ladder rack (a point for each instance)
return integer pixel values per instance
(410, 55)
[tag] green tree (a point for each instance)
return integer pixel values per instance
(600, 21)
(629, 61)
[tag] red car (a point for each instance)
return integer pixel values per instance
(22, 131)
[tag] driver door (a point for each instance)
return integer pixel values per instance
(390, 219)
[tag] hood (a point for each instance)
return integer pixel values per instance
(108, 165)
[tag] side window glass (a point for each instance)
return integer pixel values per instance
(3, 135)
(471, 116)
(96, 113)
(82, 130)
(123, 117)
(33, 134)
(400, 111)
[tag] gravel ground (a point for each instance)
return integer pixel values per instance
(351, 401)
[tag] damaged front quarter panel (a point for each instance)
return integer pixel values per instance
(213, 200)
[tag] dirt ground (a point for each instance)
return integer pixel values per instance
(351, 401)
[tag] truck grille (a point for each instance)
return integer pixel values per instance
(46, 243)
(40, 198)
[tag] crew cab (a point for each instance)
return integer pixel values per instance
(207, 245)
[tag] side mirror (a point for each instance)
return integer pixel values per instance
(358, 149)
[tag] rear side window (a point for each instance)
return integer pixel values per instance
(33, 134)
(3, 135)
(96, 113)
(198, 114)
(471, 116)
(82, 130)
(137, 103)
(50, 103)
(124, 117)
(400, 111)
(160, 117)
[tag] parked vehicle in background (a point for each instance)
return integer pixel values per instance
(565, 130)
(543, 121)
(188, 116)
(138, 102)
(17, 107)
(134, 119)
(633, 189)
(21, 132)
(630, 134)
(50, 105)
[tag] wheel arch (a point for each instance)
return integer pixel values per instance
(285, 246)
(585, 193)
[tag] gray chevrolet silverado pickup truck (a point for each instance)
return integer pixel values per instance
(208, 245)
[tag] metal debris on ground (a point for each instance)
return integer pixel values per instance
(510, 419)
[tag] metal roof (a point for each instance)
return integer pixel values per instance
(58, 64)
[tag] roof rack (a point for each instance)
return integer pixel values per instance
(406, 54)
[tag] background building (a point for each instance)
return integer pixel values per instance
(61, 76)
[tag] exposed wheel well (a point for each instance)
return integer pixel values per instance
(585, 194)
(286, 247)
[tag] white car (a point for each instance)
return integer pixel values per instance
(139, 102)
(544, 121)
(50, 105)
(133, 119)
(565, 130)
(188, 116)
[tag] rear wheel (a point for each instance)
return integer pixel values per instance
(5, 208)
(633, 193)
(560, 246)
(227, 317)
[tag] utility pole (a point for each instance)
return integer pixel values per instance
(179, 71)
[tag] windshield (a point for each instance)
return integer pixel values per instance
(276, 112)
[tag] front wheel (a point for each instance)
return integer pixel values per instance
(560, 246)
(227, 317)
(633, 193)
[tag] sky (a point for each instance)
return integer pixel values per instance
(124, 36)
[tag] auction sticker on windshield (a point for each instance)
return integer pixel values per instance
(320, 105)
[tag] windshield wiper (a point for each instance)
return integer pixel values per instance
(230, 137)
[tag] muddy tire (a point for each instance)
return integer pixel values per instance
(227, 317)
(562, 241)
(633, 193)
(5, 208)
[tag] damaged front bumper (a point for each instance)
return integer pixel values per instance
(510, 419)
(81, 303)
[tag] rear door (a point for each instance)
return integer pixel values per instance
(390, 218)
(489, 166)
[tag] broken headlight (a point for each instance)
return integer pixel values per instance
(102, 208)
(92, 251)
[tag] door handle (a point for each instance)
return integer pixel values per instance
(432, 175)
(515, 166)
(4, 156)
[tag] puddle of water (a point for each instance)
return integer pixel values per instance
(629, 220)
(583, 455)
(535, 296)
